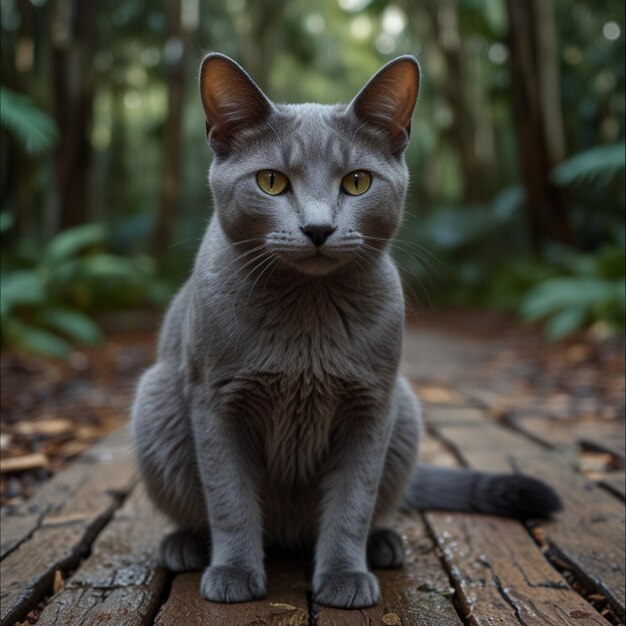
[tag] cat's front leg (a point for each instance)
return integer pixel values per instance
(341, 577)
(236, 572)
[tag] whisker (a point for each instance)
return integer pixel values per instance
(271, 259)
(414, 255)
(237, 258)
(364, 269)
(277, 259)
(263, 258)
(408, 244)
(408, 286)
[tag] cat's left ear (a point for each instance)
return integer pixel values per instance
(231, 100)
(388, 99)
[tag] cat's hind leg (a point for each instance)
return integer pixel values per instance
(185, 551)
(166, 456)
(385, 549)
(401, 456)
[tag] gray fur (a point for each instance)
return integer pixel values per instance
(275, 413)
(385, 548)
(512, 495)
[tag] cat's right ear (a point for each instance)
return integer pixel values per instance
(231, 99)
(388, 100)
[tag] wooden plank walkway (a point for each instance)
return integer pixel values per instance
(82, 550)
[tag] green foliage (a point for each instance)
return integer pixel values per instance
(35, 132)
(475, 252)
(589, 289)
(603, 162)
(459, 250)
(481, 255)
(48, 292)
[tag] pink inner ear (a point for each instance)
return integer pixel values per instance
(389, 98)
(229, 96)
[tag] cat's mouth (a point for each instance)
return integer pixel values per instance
(319, 254)
(315, 260)
(315, 263)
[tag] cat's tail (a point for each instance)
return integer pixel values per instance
(459, 489)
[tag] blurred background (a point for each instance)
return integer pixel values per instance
(516, 159)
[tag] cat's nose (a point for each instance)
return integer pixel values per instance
(318, 233)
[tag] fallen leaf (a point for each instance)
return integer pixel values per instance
(5, 440)
(23, 463)
(59, 582)
(47, 427)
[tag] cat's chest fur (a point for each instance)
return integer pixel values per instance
(291, 417)
(308, 367)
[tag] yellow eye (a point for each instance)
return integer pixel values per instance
(272, 182)
(356, 183)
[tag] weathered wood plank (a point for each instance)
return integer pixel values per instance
(56, 528)
(569, 436)
(285, 605)
(602, 435)
(589, 534)
(20, 521)
(500, 575)
(615, 482)
(120, 582)
(419, 594)
(438, 394)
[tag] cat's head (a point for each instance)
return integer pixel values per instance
(316, 186)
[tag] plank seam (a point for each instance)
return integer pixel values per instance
(459, 601)
(311, 608)
(163, 597)
(586, 583)
(507, 598)
(28, 537)
(449, 446)
(49, 508)
(511, 424)
(82, 551)
(553, 555)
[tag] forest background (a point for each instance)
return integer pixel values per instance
(516, 159)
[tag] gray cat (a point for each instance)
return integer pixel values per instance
(275, 414)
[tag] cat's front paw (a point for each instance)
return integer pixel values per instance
(224, 583)
(346, 590)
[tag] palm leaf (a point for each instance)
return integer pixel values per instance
(35, 131)
(602, 162)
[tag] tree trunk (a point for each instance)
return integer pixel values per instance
(183, 20)
(550, 79)
(74, 44)
(462, 133)
(547, 213)
(259, 47)
(24, 57)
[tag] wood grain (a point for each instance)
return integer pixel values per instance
(500, 575)
(601, 435)
(285, 605)
(55, 530)
(588, 534)
(615, 482)
(60, 493)
(120, 582)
